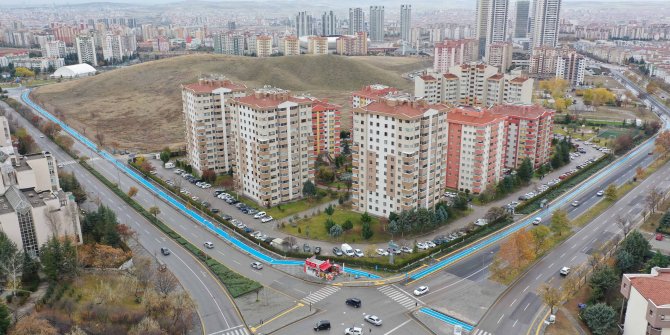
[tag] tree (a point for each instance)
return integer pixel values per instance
(23, 72)
(132, 191)
(625, 262)
(143, 271)
(102, 226)
(51, 129)
(366, 231)
(623, 143)
(600, 318)
(366, 218)
(602, 280)
(65, 141)
(335, 231)
(5, 318)
(517, 250)
(611, 192)
(638, 247)
(550, 295)
(33, 325)
(652, 87)
(653, 198)
(330, 210)
(623, 222)
(347, 225)
(540, 237)
(26, 144)
(662, 144)
(76, 331)
(329, 223)
(658, 260)
(493, 214)
(525, 172)
(58, 258)
(11, 263)
(308, 189)
(559, 222)
(165, 282)
(165, 155)
(154, 210)
(147, 326)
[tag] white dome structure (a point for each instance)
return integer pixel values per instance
(74, 71)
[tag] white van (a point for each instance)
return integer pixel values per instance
(169, 165)
(347, 249)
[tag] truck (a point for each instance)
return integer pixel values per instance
(347, 249)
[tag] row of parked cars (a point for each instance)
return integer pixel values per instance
(244, 208)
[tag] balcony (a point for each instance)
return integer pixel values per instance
(654, 331)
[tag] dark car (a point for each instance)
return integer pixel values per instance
(248, 230)
(317, 250)
(215, 210)
(353, 302)
(322, 325)
(165, 251)
(306, 248)
(226, 217)
(337, 251)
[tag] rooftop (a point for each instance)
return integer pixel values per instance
(207, 85)
(654, 288)
(527, 112)
(401, 109)
(472, 116)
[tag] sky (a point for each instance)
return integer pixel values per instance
(63, 2)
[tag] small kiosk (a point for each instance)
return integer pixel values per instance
(321, 269)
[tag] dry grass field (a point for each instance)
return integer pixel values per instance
(139, 107)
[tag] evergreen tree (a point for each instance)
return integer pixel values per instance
(525, 172)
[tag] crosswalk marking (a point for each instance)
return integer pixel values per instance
(398, 296)
(481, 332)
(70, 162)
(232, 331)
(320, 294)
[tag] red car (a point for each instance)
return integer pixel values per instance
(659, 237)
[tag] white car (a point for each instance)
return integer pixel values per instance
(382, 252)
(430, 244)
(209, 245)
(353, 331)
(259, 215)
(564, 271)
(358, 253)
(421, 246)
(373, 319)
(267, 219)
(421, 290)
(600, 193)
(537, 221)
(60, 165)
(257, 265)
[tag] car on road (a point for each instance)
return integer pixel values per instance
(421, 290)
(60, 165)
(537, 221)
(353, 302)
(337, 251)
(165, 251)
(353, 331)
(257, 265)
(266, 219)
(600, 193)
(382, 252)
(41, 136)
(358, 253)
(575, 203)
(564, 271)
(209, 245)
(373, 319)
(322, 325)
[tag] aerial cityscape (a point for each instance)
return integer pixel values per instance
(469, 167)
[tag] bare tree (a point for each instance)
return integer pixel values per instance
(653, 199)
(143, 271)
(165, 282)
(52, 214)
(183, 313)
(623, 222)
(100, 138)
(11, 265)
(595, 260)
(550, 295)
(291, 241)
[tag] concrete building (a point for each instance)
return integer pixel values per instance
(289, 46)
(398, 156)
(329, 24)
(356, 45)
(476, 147)
(405, 22)
(33, 207)
(377, 23)
(5, 136)
(112, 48)
(522, 19)
(528, 133)
(274, 145)
(263, 46)
(356, 20)
(372, 93)
(42, 64)
(54, 49)
(491, 26)
(454, 52)
(543, 61)
(85, 46)
(160, 44)
(545, 23)
(326, 127)
(571, 66)
(304, 24)
(317, 45)
(229, 44)
(647, 302)
(207, 119)
(500, 55)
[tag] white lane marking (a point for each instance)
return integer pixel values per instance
(573, 246)
(524, 290)
(562, 255)
(460, 280)
(157, 240)
(573, 258)
(515, 321)
(396, 328)
(525, 308)
(219, 251)
(538, 277)
(236, 262)
(510, 305)
(225, 330)
(550, 265)
(303, 292)
(500, 318)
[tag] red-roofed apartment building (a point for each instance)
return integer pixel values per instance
(399, 151)
(476, 147)
(371, 93)
(326, 127)
(528, 133)
(207, 117)
(274, 145)
(454, 52)
(647, 302)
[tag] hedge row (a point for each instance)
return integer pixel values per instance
(557, 190)
(236, 284)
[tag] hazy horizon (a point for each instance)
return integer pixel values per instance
(155, 2)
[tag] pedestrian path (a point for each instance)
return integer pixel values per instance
(70, 162)
(398, 296)
(320, 294)
(481, 332)
(239, 330)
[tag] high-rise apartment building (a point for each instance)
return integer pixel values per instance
(522, 19)
(289, 46)
(454, 52)
(317, 45)
(377, 23)
(328, 24)
(274, 145)
(356, 45)
(405, 22)
(491, 26)
(263, 46)
(545, 23)
(207, 119)
(53, 49)
(543, 61)
(398, 156)
(356, 20)
(476, 147)
(326, 127)
(86, 50)
(571, 67)
(112, 48)
(500, 55)
(229, 44)
(304, 24)
(528, 134)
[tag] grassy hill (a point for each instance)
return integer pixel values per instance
(139, 107)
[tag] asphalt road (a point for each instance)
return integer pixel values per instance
(216, 309)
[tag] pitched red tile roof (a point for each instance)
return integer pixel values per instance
(428, 77)
(471, 116)
(404, 110)
(269, 101)
(656, 289)
(519, 80)
(519, 111)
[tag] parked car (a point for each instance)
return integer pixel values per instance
(406, 249)
(353, 331)
(382, 252)
(257, 265)
(317, 250)
(215, 210)
(266, 219)
(421, 246)
(322, 325)
(430, 244)
(358, 253)
(306, 248)
(421, 290)
(337, 251)
(373, 319)
(259, 215)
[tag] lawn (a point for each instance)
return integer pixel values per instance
(283, 210)
(313, 228)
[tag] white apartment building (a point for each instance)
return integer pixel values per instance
(274, 145)
(647, 299)
(377, 23)
(229, 44)
(53, 49)
(207, 119)
(454, 52)
(263, 46)
(405, 22)
(112, 48)
(32, 205)
(40, 63)
(545, 23)
(289, 46)
(356, 20)
(399, 151)
(571, 67)
(500, 55)
(86, 50)
(5, 137)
